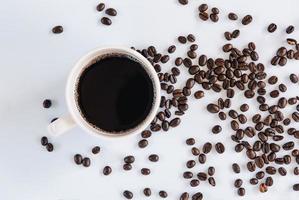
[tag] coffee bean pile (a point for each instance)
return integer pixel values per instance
(204, 15)
(111, 12)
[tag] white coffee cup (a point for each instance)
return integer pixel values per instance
(74, 118)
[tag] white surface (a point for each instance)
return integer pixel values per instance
(35, 63)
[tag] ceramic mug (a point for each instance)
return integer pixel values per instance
(75, 118)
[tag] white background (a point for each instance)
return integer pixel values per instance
(35, 63)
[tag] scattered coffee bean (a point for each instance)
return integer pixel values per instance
(86, 162)
(111, 12)
(247, 20)
(190, 141)
(107, 170)
(143, 143)
(57, 29)
(184, 196)
(182, 39)
(183, 2)
(272, 27)
(106, 21)
(263, 188)
(290, 29)
(96, 150)
(191, 38)
(219, 147)
(213, 108)
(241, 191)
(44, 140)
(296, 187)
(47, 103)
(187, 175)
(128, 194)
(78, 159)
(207, 147)
(212, 181)
(238, 183)
(147, 192)
(197, 196)
(100, 7)
(49, 147)
(236, 168)
(232, 16)
(202, 158)
(294, 78)
(145, 171)
(153, 158)
(163, 194)
(203, 7)
(211, 171)
(129, 159)
(127, 166)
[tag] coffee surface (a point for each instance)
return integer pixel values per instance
(115, 94)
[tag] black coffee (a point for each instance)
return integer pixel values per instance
(115, 93)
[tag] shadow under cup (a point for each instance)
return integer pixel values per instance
(116, 94)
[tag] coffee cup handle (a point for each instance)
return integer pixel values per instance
(61, 126)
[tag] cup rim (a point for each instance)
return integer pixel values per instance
(83, 62)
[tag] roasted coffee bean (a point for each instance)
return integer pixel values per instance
(274, 93)
(107, 170)
(219, 148)
(142, 143)
(239, 147)
(184, 196)
(106, 21)
(164, 59)
(191, 38)
(203, 16)
(295, 153)
(193, 47)
(288, 146)
(213, 108)
(222, 115)
(129, 159)
(234, 125)
(96, 150)
(272, 80)
(190, 164)
(295, 116)
(291, 41)
(172, 49)
(238, 183)
(236, 168)
(216, 129)
(294, 78)
(287, 159)
(253, 181)
(214, 17)
(232, 16)
(260, 175)
(242, 119)
(207, 147)
(290, 29)
(272, 27)
(128, 194)
(249, 94)
(199, 94)
(296, 171)
(292, 101)
(44, 140)
(111, 12)
(146, 134)
(54, 119)
(275, 60)
(100, 7)
(241, 191)
(228, 35)
(244, 107)
(296, 187)
(251, 166)
(282, 171)
(194, 183)
(183, 2)
(282, 51)
(145, 171)
(127, 167)
(57, 29)
(187, 175)
(197, 196)
(202, 158)
(212, 181)
(153, 158)
(182, 39)
(49, 147)
(163, 194)
(47, 103)
(78, 159)
(175, 122)
(269, 181)
(247, 20)
(263, 188)
(195, 151)
(203, 7)
(211, 171)
(250, 154)
(271, 170)
(227, 47)
(86, 162)
(190, 141)
(282, 61)
(235, 33)
(178, 61)
(282, 87)
(147, 192)
(202, 176)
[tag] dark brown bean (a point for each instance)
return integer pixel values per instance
(106, 21)
(100, 7)
(78, 159)
(247, 20)
(232, 16)
(107, 170)
(272, 27)
(111, 12)
(219, 148)
(290, 29)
